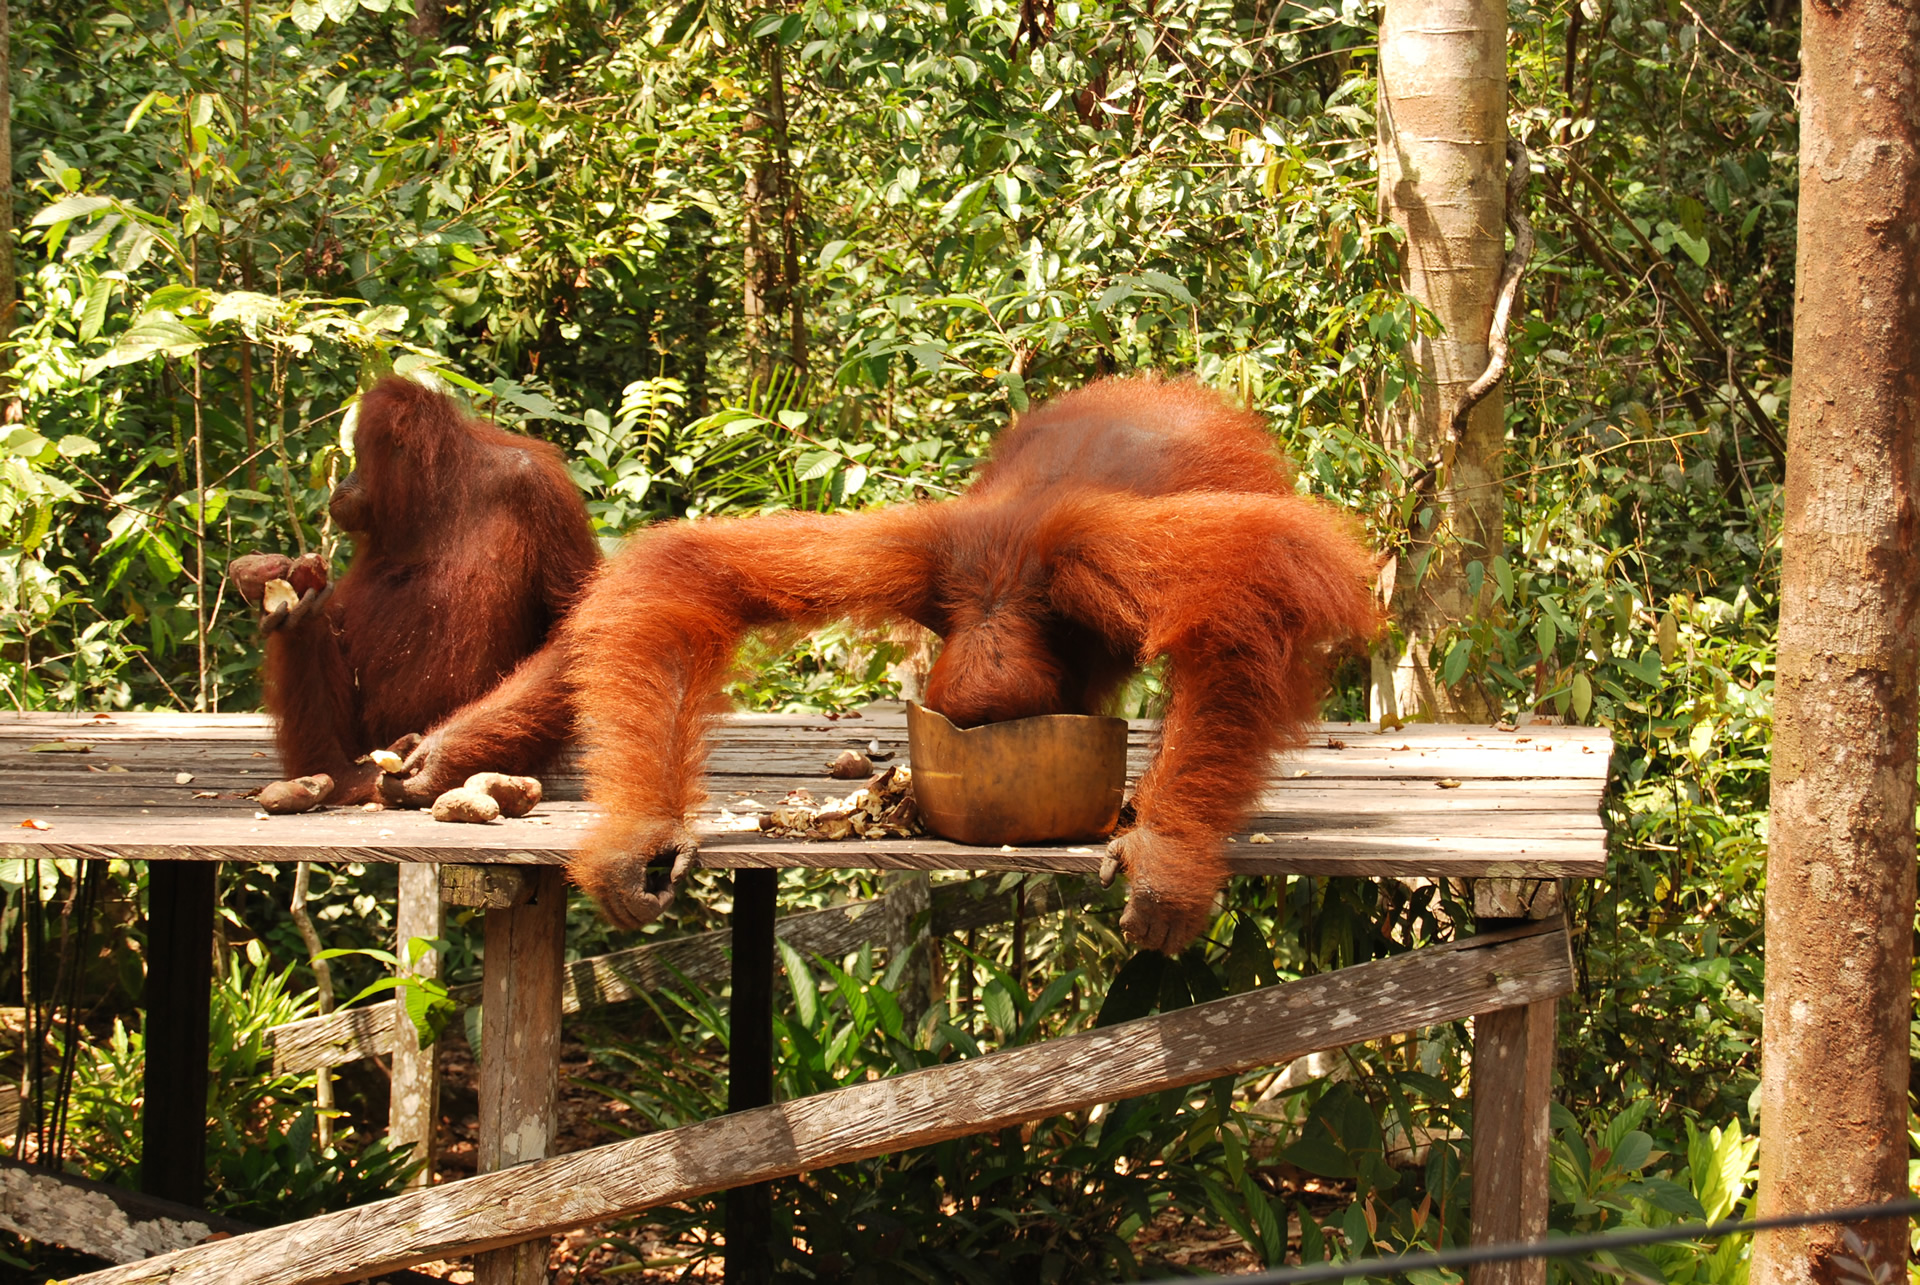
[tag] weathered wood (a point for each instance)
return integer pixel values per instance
(907, 907)
(490, 887)
(1368, 853)
(1352, 802)
(1496, 899)
(415, 1103)
(115, 1224)
(1258, 1028)
(702, 959)
(173, 1118)
(1512, 1130)
(520, 1054)
(108, 1222)
(749, 1209)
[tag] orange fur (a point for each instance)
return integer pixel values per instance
(1132, 519)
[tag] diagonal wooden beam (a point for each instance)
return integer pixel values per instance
(1258, 1028)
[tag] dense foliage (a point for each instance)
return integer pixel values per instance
(234, 216)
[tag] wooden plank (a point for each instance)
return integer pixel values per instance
(1334, 796)
(414, 1107)
(520, 1054)
(1258, 1028)
(173, 1117)
(1404, 846)
(702, 958)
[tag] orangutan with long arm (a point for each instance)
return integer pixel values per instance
(1130, 520)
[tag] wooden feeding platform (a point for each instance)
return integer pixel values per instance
(1514, 811)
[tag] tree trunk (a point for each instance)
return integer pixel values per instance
(1840, 865)
(1443, 134)
(772, 264)
(9, 302)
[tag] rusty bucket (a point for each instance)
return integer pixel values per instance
(1056, 778)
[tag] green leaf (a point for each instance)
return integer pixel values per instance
(1016, 389)
(308, 15)
(1664, 1193)
(390, 316)
(1249, 960)
(1318, 1152)
(1667, 638)
(153, 96)
(1695, 246)
(429, 1007)
(1503, 577)
(73, 207)
(814, 465)
(1544, 636)
(800, 980)
(1454, 667)
(1135, 989)
(683, 22)
(93, 308)
(37, 527)
(1582, 695)
(1632, 1151)
(1168, 285)
(151, 335)
(998, 1004)
(339, 11)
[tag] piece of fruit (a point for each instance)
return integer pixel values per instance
(474, 807)
(516, 795)
(301, 794)
(251, 573)
(279, 594)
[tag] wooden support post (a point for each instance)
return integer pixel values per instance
(415, 1104)
(520, 1052)
(908, 907)
(749, 1230)
(1513, 1052)
(173, 1123)
(1512, 1098)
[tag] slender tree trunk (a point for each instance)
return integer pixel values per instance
(1443, 134)
(1840, 864)
(789, 211)
(429, 19)
(8, 290)
(772, 260)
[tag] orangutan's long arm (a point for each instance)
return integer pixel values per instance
(1244, 594)
(654, 640)
(516, 728)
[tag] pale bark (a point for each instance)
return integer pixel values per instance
(1840, 866)
(1443, 133)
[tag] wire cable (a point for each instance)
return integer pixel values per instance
(1567, 1246)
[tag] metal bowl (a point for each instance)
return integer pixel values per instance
(1056, 778)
